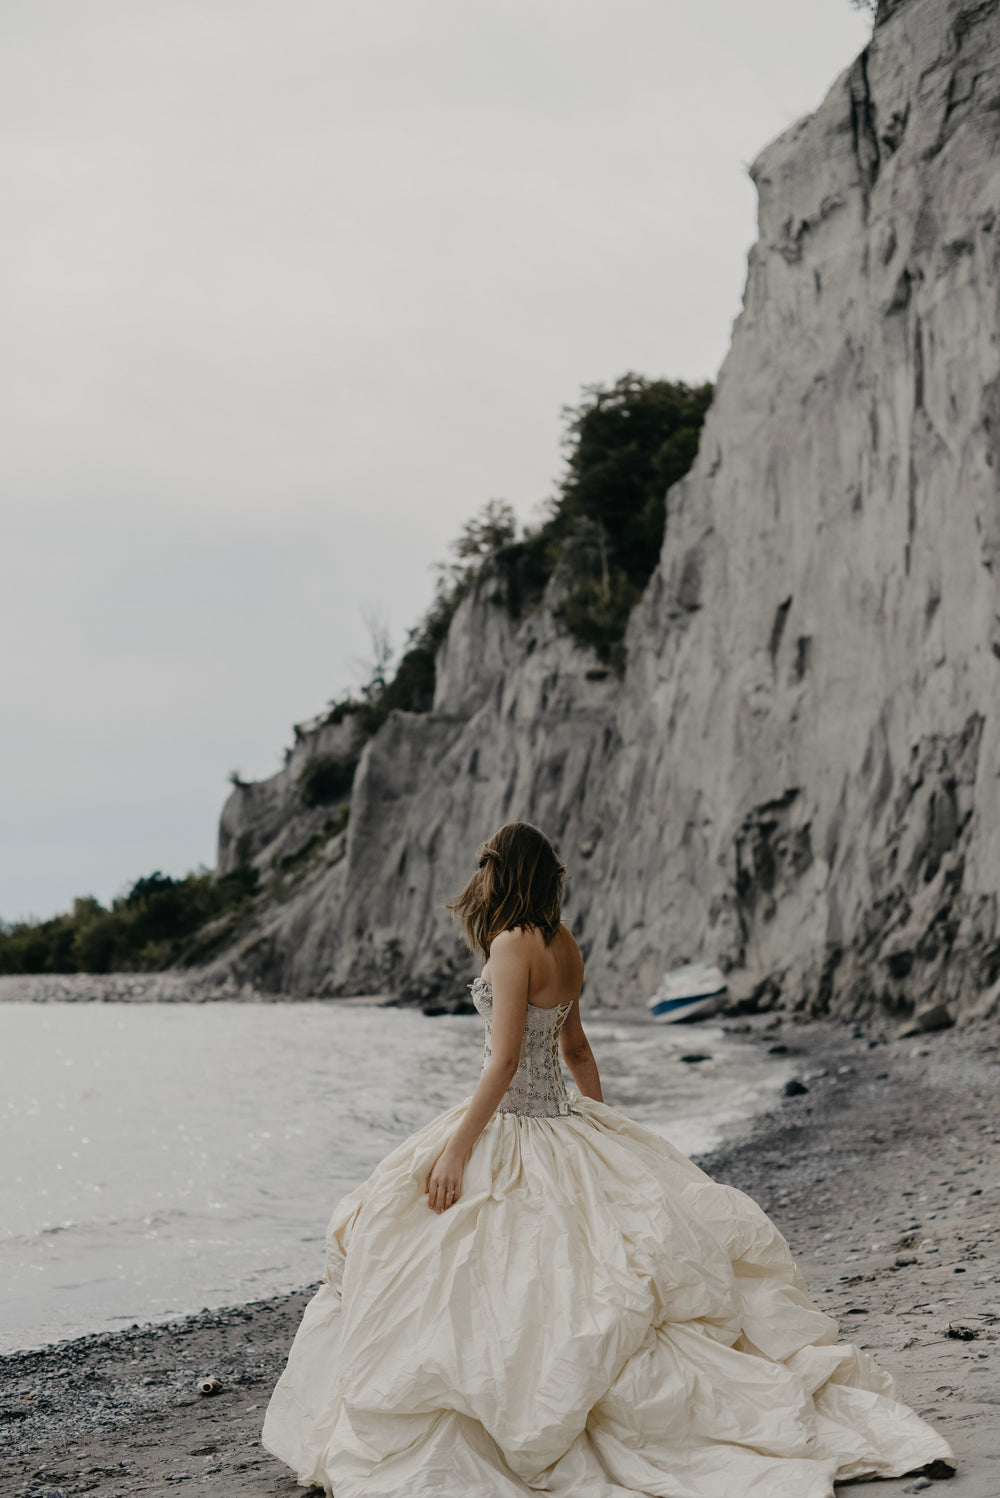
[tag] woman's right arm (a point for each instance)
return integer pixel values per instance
(578, 1056)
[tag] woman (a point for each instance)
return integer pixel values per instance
(533, 1294)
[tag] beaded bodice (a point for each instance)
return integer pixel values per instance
(537, 1089)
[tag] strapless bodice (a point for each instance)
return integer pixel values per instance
(537, 1089)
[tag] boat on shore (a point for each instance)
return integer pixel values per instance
(691, 992)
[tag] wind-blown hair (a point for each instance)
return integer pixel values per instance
(519, 882)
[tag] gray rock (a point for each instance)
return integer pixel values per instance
(794, 779)
(932, 1016)
(266, 821)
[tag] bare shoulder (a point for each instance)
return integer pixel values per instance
(516, 939)
(508, 968)
(511, 952)
(569, 941)
(568, 935)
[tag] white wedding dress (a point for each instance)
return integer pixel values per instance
(595, 1317)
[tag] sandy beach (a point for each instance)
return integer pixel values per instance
(884, 1175)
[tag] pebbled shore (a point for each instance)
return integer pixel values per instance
(884, 1176)
(169, 987)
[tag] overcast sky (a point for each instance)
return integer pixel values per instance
(289, 291)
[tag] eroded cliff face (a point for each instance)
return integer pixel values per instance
(799, 776)
(265, 822)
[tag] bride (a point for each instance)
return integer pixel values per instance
(533, 1294)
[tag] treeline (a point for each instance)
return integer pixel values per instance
(153, 926)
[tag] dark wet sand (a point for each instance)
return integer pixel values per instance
(884, 1177)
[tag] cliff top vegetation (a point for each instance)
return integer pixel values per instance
(600, 538)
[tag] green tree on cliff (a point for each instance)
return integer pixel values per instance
(626, 444)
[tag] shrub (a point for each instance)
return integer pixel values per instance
(333, 825)
(597, 614)
(326, 777)
(99, 942)
(336, 822)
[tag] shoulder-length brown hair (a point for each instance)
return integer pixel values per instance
(519, 882)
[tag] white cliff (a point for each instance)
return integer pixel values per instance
(799, 776)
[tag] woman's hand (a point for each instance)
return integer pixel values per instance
(444, 1183)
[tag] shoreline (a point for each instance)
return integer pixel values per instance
(171, 986)
(884, 1176)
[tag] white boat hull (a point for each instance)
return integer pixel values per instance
(688, 993)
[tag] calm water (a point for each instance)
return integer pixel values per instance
(156, 1158)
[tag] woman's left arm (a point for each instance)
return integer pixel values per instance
(509, 970)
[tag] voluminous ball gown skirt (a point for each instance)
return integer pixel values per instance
(595, 1317)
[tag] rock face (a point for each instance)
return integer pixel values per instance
(267, 821)
(799, 776)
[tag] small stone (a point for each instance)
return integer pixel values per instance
(940, 1467)
(795, 1088)
(777, 1050)
(933, 1016)
(921, 1485)
(695, 1056)
(903, 1261)
(959, 1269)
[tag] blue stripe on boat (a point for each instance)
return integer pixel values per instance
(663, 1006)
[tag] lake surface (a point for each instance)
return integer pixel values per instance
(158, 1158)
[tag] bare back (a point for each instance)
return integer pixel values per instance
(555, 972)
